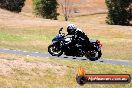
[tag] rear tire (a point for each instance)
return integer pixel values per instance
(93, 57)
(52, 50)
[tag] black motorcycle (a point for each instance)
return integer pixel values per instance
(62, 44)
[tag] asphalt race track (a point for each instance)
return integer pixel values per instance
(38, 54)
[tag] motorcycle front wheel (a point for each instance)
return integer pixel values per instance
(93, 55)
(54, 51)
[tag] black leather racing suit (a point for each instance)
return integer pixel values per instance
(80, 38)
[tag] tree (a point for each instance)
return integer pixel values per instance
(12, 5)
(117, 12)
(46, 8)
(66, 6)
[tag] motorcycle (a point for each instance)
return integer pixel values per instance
(62, 44)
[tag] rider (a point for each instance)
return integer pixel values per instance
(79, 36)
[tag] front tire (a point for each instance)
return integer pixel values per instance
(54, 51)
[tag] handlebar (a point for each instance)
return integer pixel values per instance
(60, 32)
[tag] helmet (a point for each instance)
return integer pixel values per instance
(71, 28)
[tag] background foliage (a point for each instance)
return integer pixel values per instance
(119, 12)
(12, 5)
(46, 8)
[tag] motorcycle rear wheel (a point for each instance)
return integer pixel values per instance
(54, 51)
(93, 56)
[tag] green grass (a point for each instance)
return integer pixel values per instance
(34, 72)
(31, 39)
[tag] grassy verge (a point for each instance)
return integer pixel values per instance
(30, 72)
(116, 40)
(31, 39)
